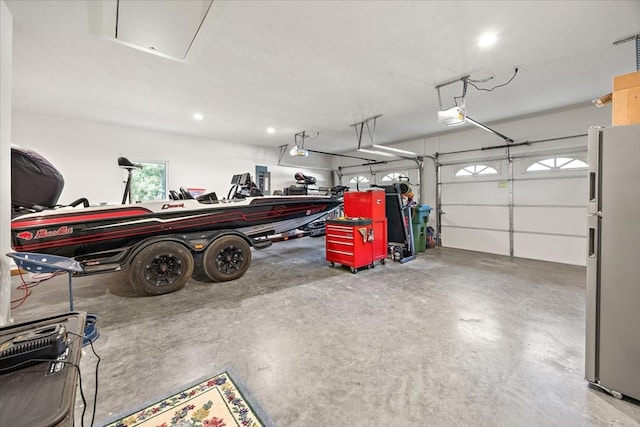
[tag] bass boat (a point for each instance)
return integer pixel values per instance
(164, 243)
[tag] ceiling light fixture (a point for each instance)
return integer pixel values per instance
(379, 153)
(198, 116)
(271, 130)
(487, 39)
(376, 149)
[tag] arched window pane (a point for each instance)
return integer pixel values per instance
(556, 163)
(476, 170)
(392, 176)
(538, 167)
(561, 161)
(574, 164)
(358, 179)
(487, 171)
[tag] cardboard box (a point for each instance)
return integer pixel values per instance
(626, 99)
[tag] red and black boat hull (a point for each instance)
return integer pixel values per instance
(81, 232)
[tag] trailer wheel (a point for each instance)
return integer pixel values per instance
(161, 268)
(227, 258)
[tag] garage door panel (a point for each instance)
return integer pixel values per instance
(491, 217)
(488, 193)
(563, 249)
(567, 191)
(495, 242)
(551, 220)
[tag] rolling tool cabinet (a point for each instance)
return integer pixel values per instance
(370, 204)
(350, 242)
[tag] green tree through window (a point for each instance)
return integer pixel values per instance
(150, 182)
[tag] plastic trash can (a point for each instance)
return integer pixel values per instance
(419, 236)
(420, 214)
(419, 219)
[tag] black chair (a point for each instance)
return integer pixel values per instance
(185, 194)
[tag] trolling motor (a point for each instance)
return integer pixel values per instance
(125, 163)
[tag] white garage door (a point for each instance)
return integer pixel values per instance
(534, 207)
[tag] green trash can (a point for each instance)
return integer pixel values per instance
(419, 219)
(419, 237)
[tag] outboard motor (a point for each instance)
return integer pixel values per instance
(35, 183)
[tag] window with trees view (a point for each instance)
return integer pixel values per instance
(150, 182)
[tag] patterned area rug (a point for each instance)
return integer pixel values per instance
(212, 402)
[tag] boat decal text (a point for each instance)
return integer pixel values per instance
(43, 232)
(172, 205)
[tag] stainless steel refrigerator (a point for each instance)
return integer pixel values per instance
(613, 261)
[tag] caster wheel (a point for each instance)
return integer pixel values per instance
(332, 264)
(382, 261)
(354, 270)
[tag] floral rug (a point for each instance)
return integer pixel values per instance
(212, 402)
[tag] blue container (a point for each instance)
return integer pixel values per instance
(420, 214)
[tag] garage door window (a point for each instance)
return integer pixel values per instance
(359, 180)
(476, 170)
(556, 164)
(394, 176)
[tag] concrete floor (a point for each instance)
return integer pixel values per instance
(451, 338)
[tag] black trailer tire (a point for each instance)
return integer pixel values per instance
(227, 258)
(160, 268)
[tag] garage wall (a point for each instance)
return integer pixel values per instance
(86, 154)
(549, 209)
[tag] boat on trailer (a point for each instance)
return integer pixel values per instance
(164, 243)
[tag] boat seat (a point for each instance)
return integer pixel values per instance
(185, 194)
(209, 198)
(173, 195)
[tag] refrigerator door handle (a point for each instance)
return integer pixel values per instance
(594, 144)
(592, 309)
(592, 242)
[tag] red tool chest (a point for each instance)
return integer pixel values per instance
(370, 204)
(365, 204)
(350, 242)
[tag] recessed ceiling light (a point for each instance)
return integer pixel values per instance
(271, 130)
(198, 116)
(487, 40)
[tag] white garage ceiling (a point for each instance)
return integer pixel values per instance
(321, 65)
